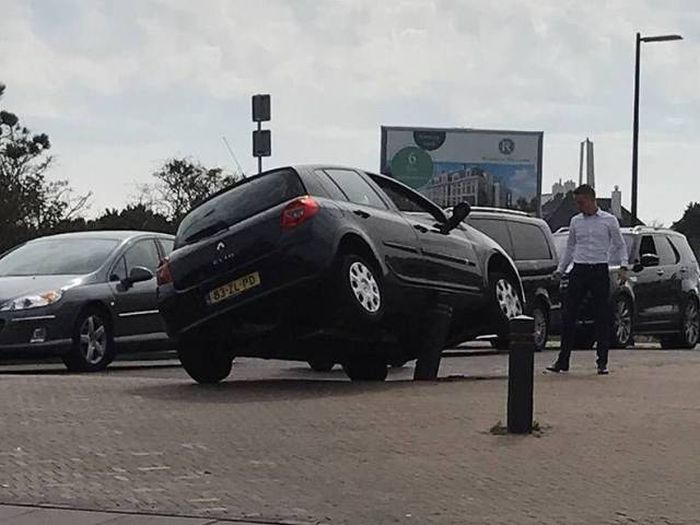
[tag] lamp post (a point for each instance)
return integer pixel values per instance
(635, 128)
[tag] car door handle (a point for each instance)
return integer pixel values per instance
(362, 214)
(420, 228)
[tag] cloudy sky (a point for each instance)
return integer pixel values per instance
(122, 85)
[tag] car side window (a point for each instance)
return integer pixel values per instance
(684, 248)
(676, 255)
(355, 188)
(497, 230)
(119, 270)
(647, 245)
(666, 255)
(529, 242)
(143, 253)
(330, 187)
(166, 246)
(404, 200)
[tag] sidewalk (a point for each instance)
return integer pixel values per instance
(286, 445)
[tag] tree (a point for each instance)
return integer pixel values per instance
(133, 217)
(181, 184)
(689, 225)
(29, 203)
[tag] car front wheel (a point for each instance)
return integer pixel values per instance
(541, 322)
(622, 323)
(93, 344)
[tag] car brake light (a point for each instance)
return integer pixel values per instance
(163, 275)
(298, 211)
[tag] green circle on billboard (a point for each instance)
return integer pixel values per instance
(412, 166)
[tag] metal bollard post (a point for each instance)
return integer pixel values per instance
(521, 361)
(433, 341)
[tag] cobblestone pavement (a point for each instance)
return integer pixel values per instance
(278, 443)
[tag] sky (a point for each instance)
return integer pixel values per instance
(120, 86)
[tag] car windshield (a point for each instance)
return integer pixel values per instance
(560, 240)
(57, 257)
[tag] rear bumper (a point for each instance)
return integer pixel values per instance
(294, 272)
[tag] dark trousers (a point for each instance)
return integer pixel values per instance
(593, 278)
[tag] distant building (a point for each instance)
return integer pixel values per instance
(558, 188)
(472, 185)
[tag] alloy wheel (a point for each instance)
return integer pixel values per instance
(365, 287)
(540, 321)
(508, 299)
(692, 323)
(93, 339)
(623, 321)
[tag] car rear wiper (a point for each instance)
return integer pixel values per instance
(206, 232)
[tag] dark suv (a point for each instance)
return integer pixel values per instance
(661, 296)
(528, 240)
(327, 263)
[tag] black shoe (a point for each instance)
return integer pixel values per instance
(556, 367)
(603, 371)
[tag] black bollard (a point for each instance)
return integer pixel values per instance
(433, 341)
(521, 362)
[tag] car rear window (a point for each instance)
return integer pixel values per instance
(529, 242)
(246, 199)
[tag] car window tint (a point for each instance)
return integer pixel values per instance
(166, 246)
(57, 256)
(405, 200)
(244, 200)
(355, 188)
(647, 245)
(143, 253)
(497, 230)
(529, 242)
(119, 270)
(666, 255)
(681, 244)
(676, 255)
(332, 190)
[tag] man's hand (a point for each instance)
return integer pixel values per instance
(622, 275)
(556, 275)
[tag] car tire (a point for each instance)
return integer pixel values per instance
(204, 359)
(540, 315)
(366, 369)
(621, 332)
(506, 303)
(361, 289)
(690, 325)
(320, 364)
(92, 348)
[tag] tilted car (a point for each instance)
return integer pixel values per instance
(660, 297)
(326, 264)
(83, 297)
(528, 240)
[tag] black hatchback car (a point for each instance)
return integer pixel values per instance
(331, 263)
(660, 297)
(82, 296)
(529, 241)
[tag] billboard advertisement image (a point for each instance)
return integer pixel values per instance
(482, 167)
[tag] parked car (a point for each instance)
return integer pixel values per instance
(661, 296)
(529, 242)
(326, 264)
(82, 296)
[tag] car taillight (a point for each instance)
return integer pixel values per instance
(298, 211)
(163, 275)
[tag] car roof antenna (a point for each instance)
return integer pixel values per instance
(240, 173)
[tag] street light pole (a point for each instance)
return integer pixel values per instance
(635, 126)
(635, 131)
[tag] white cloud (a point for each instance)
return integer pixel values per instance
(121, 85)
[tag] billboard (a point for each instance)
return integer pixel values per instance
(482, 167)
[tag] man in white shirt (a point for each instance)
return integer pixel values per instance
(594, 239)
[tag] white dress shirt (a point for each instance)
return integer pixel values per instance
(594, 239)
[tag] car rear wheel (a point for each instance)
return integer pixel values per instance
(361, 289)
(93, 344)
(690, 328)
(541, 327)
(505, 304)
(204, 359)
(622, 323)
(366, 369)
(320, 364)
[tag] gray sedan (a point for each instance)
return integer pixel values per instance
(82, 296)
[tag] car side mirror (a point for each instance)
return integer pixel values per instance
(649, 259)
(138, 274)
(459, 213)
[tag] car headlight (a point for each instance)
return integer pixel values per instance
(32, 301)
